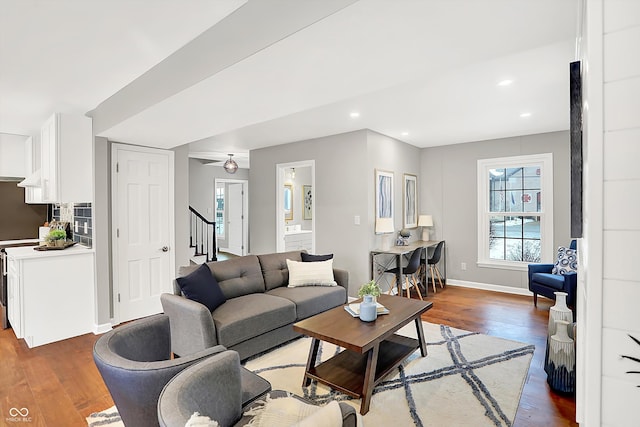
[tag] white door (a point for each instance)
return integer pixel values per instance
(142, 185)
(235, 233)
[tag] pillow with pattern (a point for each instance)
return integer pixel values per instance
(566, 261)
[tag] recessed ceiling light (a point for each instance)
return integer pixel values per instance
(505, 82)
(354, 114)
(525, 115)
(404, 133)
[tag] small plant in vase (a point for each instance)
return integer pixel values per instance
(57, 238)
(368, 307)
(369, 288)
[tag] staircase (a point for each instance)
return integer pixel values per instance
(202, 237)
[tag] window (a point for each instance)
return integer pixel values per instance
(220, 211)
(515, 211)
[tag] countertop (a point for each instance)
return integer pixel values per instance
(25, 252)
(7, 243)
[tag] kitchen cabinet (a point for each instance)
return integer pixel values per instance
(12, 156)
(66, 147)
(50, 294)
(32, 194)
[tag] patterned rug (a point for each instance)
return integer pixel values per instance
(467, 379)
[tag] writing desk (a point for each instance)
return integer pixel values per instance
(400, 252)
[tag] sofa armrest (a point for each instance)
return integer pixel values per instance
(342, 279)
(192, 327)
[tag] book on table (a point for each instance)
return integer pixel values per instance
(354, 309)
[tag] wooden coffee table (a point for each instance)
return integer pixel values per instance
(373, 349)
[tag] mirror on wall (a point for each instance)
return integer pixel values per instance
(288, 202)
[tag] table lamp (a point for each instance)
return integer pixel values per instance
(425, 221)
(384, 226)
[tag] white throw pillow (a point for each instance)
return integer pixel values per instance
(198, 420)
(566, 261)
(311, 273)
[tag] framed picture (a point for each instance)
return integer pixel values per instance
(307, 202)
(410, 201)
(384, 194)
(288, 202)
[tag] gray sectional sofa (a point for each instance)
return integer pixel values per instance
(259, 308)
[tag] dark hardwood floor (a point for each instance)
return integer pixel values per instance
(59, 384)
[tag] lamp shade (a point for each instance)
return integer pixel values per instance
(384, 225)
(230, 165)
(425, 221)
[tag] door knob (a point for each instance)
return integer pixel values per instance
(165, 249)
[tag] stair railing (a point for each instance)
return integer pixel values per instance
(202, 235)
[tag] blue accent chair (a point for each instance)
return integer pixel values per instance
(543, 282)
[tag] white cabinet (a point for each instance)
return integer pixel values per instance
(32, 166)
(66, 156)
(298, 241)
(50, 294)
(12, 156)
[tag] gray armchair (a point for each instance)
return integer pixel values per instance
(135, 363)
(214, 388)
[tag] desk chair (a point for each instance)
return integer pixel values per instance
(410, 270)
(433, 268)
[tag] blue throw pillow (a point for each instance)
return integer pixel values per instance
(566, 261)
(315, 258)
(202, 286)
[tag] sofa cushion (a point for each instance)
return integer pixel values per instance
(312, 300)
(311, 273)
(555, 281)
(315, 258)
(201, 286)
(566, 261)
(274, 268)
(238, 276)
(248, 316)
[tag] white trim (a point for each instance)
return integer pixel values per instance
(245, 213)
(489, 287)
(589, 299)
(505, 265)
(280, 181)
(545, 160)
(101, 328)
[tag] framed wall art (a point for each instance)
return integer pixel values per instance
(307, 202)
(384, 194)
(410, 201)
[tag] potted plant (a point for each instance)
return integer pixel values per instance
(57, 238)
(369, 288)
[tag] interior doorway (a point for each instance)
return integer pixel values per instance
(295, 208)
(232, 219)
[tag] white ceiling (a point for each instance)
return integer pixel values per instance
(228, 76)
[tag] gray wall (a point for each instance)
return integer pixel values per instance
(102, 229)
(448, 191)
(202, 188)
(341, 174)
(181, 187)
(344, 188)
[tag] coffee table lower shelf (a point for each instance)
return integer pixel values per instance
(347, 370)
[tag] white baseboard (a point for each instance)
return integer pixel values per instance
(489, 287)
(102, 328)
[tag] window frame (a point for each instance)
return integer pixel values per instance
(545, 162)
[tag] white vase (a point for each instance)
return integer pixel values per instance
(561, 368)
(368, 309)
(559, 312)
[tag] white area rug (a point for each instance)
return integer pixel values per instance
(467, 379)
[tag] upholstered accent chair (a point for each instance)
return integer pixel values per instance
(135, 363)
(543, 282)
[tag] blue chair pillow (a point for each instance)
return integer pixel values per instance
(201, 286)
